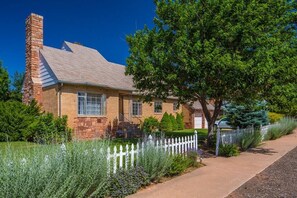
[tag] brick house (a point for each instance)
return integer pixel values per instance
(194, 116)
(79, 82)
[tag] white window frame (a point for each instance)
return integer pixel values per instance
(159, 110)
(90, 102)
(136, 105)
(175, 106)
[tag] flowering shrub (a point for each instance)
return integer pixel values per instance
(72, 170)
(155, 162)
(179, 165)
(126, 182)
(228, 150)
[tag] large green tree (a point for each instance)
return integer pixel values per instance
(16, 85)
(4, 83)
(223, 50)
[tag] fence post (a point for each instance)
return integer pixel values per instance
(127, 157)
(108, 161)
(114, 159)
(196, 140)
(121, 156)
(218, 141)
(150, 140)
(132, 155)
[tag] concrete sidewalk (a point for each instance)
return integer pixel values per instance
(221, 176)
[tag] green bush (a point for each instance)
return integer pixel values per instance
(25, 122)
(288, 124)
(126, 182)
(78, 169)
(47, 129)
(166, 124)
(179, 165)
(228, 150)
(15, 118)
(180, 121)
(150, 124)
(155, 162)
(192, 155)
(173, 122)
(250, 140)
(274, 132)
(284, 127)
(274, 117)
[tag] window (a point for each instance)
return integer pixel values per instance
(136, 108)
(158, 106)
(91, 104)
(175, 106)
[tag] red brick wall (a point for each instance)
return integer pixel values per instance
(34, 42)
(90, 127)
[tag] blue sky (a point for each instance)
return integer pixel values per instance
(99, 24)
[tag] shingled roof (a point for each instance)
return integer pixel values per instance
(77, 64)
(197, 106)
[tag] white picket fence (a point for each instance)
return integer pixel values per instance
(126, 158)
(234, 136)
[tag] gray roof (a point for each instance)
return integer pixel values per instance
(197, 105)
(76, 64)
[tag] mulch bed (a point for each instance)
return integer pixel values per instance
(278, 180)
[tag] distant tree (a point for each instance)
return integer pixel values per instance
(17, 84)
(180, 121)
(223, 50)
(173, 122)
(166, 124)
(244, 116)
(4, 83)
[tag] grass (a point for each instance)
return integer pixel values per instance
(16, 146)
(202, 135)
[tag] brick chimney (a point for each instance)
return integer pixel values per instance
(34, 41)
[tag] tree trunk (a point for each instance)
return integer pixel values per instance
(210, 118)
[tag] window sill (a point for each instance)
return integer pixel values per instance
(136, 116)
(92, 116)
(159, 113)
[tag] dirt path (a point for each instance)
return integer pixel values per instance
(278, 180)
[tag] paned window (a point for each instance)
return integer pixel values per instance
(91, 104)
(136, 108)
(158, 106)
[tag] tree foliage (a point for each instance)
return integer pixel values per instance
(17, 84)
(247, 116)
(173, 122)
(224, 50)
(4, 83)
(166, 124)
(180, 121)
(25, 122)
(10, 89)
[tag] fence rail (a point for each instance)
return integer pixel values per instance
(128, 155)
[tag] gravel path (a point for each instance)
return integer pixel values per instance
(278, 180)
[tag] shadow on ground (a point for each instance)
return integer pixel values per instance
(264, 151)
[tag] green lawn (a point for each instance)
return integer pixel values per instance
(202, 135)
(17, 145)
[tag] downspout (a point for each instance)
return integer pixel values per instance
(59, 99)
